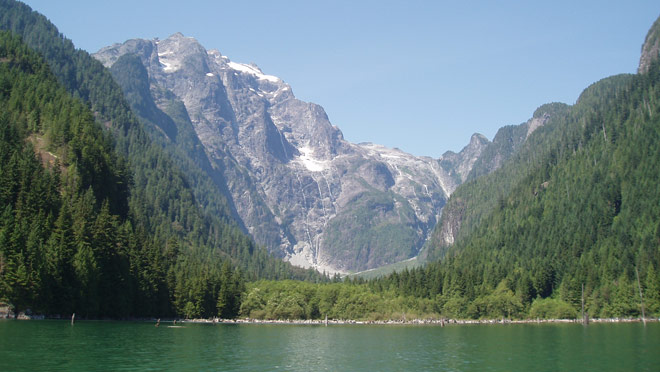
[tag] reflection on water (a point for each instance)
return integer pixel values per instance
(139, 346)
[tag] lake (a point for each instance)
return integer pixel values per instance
(50, 345)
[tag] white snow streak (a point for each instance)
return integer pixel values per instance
(247, 69)
(169, 65)
(313, 165)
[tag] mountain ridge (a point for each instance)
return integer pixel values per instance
(291, 176)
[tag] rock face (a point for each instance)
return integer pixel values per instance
(462, 163)
(651, 48)
(298, 187)
(509, 139)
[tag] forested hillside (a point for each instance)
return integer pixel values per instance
(479, 196)
(578, 205)
(173, 263)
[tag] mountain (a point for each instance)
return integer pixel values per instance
(297, 186)
(129, 235)
(574, 208)
(460, 165)
(508, 140)
(477, 196)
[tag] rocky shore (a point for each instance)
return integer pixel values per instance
(440, 322)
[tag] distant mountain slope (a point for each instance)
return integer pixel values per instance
(298, 187)
(509, 139)
(513, 148)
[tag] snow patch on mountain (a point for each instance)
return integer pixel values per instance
(308, 161)
(252, 70)
(169, 62)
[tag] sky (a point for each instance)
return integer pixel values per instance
(421, 76)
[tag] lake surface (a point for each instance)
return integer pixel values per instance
(49, 345)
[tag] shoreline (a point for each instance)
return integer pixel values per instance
(438, 322)
(428, 321)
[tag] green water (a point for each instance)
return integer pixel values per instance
(139, 346)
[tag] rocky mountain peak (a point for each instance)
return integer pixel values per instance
(650, 48)
(477, 140)
(298, 186)
(459, 165)
(180, 52)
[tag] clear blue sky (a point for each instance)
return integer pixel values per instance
(418, 75)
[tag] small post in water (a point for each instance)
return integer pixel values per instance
(641, 298)
(583, 319)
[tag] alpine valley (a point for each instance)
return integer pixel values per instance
(160, 179)
(296, 185)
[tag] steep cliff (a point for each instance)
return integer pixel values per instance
(297, 186)
(650, 48)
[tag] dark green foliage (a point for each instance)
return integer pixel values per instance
(230, 292)
(59, 246)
